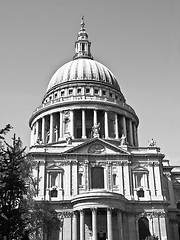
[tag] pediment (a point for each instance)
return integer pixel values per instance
(140, 168)
(53, 166)
(97, 146)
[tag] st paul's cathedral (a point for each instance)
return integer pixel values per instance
(91, 169)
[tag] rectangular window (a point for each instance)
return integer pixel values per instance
(70, 91)
(88, 90)
(97, 176)
(104, 92)
(96, 91)
(62, 93)
(79, 91)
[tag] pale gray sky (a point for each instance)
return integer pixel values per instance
(138, 40)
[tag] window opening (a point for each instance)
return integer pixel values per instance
(79, 91)
(70, 91)
(104, 92)
(96, 91)
(143, 226)
(97, 176)
(87, 90)
(114, 179)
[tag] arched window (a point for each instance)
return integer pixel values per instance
(140, 177)
(143, 227)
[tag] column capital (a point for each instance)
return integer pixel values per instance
(75, 213)
(110, 209)
(81, 211)
(94, 209)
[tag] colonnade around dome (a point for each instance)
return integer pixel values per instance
(79, 123)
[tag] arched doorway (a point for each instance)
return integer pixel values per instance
(143, 226)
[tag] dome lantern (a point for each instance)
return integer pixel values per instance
(82, 45)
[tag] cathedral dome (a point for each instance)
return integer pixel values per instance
(83, 69)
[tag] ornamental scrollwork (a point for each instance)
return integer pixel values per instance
(125, 163)
(65, 214)
(119, 163)
(156, 164)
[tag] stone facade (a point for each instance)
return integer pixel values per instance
(84, 141)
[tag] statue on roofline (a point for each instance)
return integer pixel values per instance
(152, 143)
(123, 140)
(95, 130)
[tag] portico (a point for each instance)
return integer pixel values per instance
(97, 223)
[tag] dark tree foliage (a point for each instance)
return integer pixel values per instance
(20, 216)
(5, 130)
(12, 189)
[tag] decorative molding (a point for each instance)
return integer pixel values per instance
(154, 214)
(118, 163)
(86, 176)
(156, 164)
(109, 177)
(96, 149)
(125, 163)
(65, 214)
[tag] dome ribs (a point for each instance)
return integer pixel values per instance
(73, 71)
(98, 71)
(88, 69)
(65, 72)
(80, 70)
(83, 69)
(69, 71)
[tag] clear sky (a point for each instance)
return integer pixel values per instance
(138, 40)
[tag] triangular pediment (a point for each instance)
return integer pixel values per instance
(97, 146)
(53, 166)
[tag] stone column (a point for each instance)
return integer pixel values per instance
(82, 227)
(51, 128)
(126, 179)
(60, 125)
(83, 124)
(37, 131)
(124, 125)
(157, 179)
(116, 126)
(106, 124)
(109, 224)
(43, 130)
(95, 117)
(162, 222)
(74, 237)
(171, 190)
(130, 132)
(134, 134)
(120, 225)
(32, 135)
(47, 186)
(72, 124)
(94, 223)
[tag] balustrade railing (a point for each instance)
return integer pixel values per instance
(83, 98)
